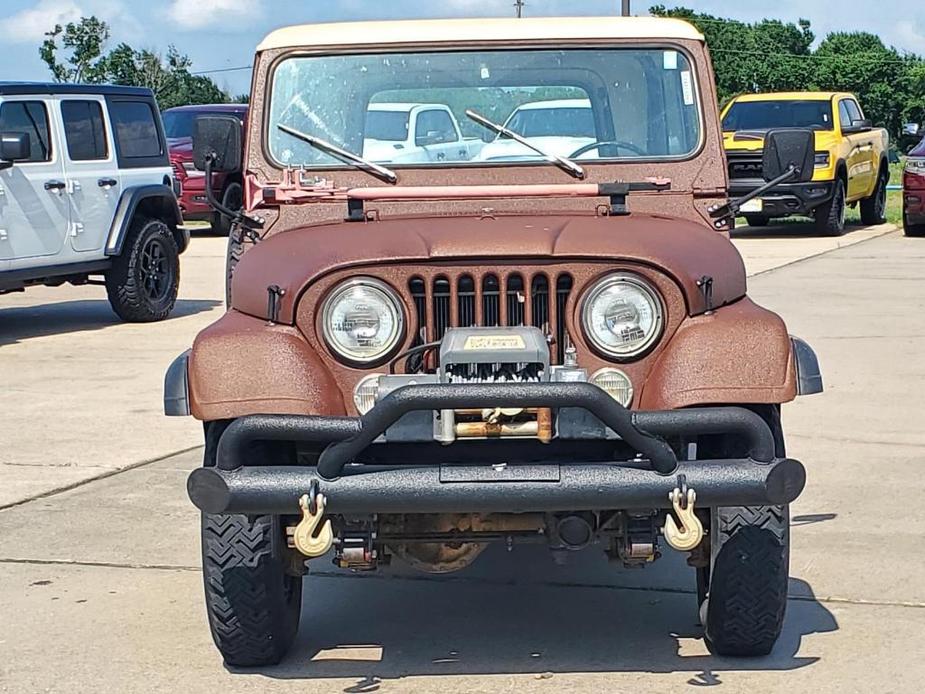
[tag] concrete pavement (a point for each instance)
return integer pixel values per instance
(100, 589)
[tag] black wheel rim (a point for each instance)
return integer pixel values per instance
(156, 272)
(881, 200)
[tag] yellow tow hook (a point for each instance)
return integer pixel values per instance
(690, 533)
(304, 537)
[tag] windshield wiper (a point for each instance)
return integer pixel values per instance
(566, 165)
(359, 162)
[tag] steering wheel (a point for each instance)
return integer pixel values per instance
(605, 143)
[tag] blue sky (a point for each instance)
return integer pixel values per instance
(221, 34)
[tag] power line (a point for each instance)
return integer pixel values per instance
(222, 69)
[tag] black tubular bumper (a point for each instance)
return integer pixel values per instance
(232, 486)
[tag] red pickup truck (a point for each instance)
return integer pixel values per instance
(178, 125)
(914, 192)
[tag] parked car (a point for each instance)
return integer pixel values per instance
(421, 359)
(561, 127)
(852, 167)
(178, 123)
(86, 192)
(398, 133)
(914, 192)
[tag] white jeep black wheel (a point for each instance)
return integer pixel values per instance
(144, 279)
(253, 598)
(830, 217)
(873, 209)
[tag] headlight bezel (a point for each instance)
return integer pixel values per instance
(648, 290)
(389, 294)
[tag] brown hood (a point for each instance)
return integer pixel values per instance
(294, 259)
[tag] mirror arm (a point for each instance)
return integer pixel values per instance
(4, 165)
(236, 217)
(731, 209)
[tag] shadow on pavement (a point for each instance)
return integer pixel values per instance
(379, 627)
(23, 322)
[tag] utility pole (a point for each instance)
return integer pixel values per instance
(626, 8)
(519, 5)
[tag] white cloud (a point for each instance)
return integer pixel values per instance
(197, 14)
(29, 26)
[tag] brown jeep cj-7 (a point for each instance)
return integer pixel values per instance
(541, 336)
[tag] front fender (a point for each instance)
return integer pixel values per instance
(242, 365)
(738, 354)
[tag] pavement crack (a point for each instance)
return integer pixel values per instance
(99, 564)
(95, 478)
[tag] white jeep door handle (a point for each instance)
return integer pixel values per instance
(56, 186)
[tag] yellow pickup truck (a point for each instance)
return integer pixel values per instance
(851, 158)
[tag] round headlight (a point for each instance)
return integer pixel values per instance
(362, 320)
(622, 316)
(615, 383)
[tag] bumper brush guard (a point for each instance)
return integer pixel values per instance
(647, 481)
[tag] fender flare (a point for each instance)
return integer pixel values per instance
(160, 195)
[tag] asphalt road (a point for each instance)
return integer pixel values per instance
(100, 589)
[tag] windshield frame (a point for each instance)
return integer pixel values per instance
(604, 44)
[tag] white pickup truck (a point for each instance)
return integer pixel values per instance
(401, 133)
(559, 127)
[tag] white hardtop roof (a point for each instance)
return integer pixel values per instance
(403, 107)
(431, 31)
(558, 103)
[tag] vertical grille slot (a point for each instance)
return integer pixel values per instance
(539, 300)
(441, 307)
(419, 298)
(465, 299)
(563, 290)
(491, 301)
(515, 298)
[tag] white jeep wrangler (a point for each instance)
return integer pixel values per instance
(86, 190)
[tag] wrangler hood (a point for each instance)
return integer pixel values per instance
(292, 260)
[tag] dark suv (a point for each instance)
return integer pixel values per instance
(178, 123)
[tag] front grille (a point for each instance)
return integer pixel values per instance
(492, 300)
(745, 166)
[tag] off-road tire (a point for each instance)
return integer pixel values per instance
(144, 279)
(912, 229)
(253, 604)
(873, 209)
(757, 220)
(750, 562)
(830, 216)
(233, 199)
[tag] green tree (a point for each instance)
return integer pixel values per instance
(771, 55)
(83, 43)
(169, 77)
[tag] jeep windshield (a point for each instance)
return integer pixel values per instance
(765, 115)
(598, 104)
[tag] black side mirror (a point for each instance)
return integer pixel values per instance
(786, 148)
(217, 138)
(858, 126)
(15, 147)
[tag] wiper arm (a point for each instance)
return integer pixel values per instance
(566, 165)
(359, 162)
